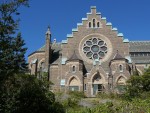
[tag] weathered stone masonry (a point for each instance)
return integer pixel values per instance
(94, 58)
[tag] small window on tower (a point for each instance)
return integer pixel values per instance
(121, 68)
(42, 66)
(89, 24)
(93, 23)
(84, 87)
(98, 24)
(73, 69)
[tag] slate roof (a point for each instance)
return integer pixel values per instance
(141, 60)
(118, 56)
(139, 46)
(56, 47)
(73, 57)
(42, 48)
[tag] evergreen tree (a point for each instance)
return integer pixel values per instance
(19, 52)
(11, 57)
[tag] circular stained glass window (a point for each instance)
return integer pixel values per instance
(95, 48)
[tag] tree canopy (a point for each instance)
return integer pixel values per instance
(12, 48)
(138, 84)
(26, 94)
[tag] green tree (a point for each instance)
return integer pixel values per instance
(137, 85)
(11, 57)
(27, 94)
(18, 54)
(146, 80)
(134, 87)
(19, 93)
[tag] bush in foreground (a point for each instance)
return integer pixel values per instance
(26, 94)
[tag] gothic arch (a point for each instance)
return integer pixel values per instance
(75, 78)
(121, 80)
(30, 65)
(42, 60)
(139, 71)
(101, 75)
(97, 83)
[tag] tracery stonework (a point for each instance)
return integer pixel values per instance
(95, 46)
(94, 58)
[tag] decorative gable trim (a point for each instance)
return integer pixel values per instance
(103, 18)
(126, 40)
(109, 24)
(64, 41)
(120, 35)
(84, 19)
(75, 30)
(114, 29)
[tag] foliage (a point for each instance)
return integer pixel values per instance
(25, 93)
(106, 95)
(136, 99)
(136, 106)
(76, 94)
(19, 93)
(73, 99)
(12, 47)
(138, 84)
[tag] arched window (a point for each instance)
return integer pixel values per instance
(121, 68)
(85, 87)
(89, 24)
(73, 69)
(42, 66)
(98, 24)
(93, 23)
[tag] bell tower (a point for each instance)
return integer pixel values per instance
(47, 49)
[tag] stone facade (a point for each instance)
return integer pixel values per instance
(94, 58)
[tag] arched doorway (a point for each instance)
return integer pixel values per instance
(121, 82)
(74, 84)
(97, 84)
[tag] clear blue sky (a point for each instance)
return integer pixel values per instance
(131, 17)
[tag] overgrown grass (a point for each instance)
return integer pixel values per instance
(106, 103)
(136, 106)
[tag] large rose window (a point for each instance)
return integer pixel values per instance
(95, 48)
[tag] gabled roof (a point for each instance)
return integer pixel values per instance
(55, 46)
(139, 46)
(118, 56)
(74, 57)
(42, 48)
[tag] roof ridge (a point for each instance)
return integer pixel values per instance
(74, 56)
(117, 56)
(139, 41)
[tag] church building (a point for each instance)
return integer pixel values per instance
(94, 58)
